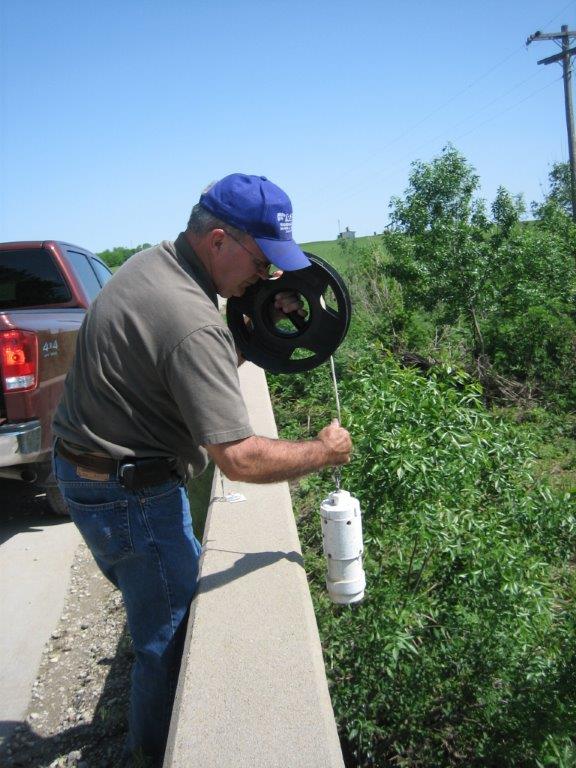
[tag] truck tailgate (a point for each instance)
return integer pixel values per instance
(56, 331)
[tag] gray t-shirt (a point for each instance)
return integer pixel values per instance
(155, 368)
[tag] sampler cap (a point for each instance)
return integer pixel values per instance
(258, 207)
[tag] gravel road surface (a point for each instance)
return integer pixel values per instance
(76, 681)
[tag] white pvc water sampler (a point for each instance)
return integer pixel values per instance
(343, 547)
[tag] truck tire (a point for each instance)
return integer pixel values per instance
(56, 501)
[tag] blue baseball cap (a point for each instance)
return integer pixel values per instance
(261, 209)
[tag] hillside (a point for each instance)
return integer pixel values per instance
(339, 253)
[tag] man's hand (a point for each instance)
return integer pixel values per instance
(337, 440)
(286, 302)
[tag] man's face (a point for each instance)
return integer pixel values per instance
(239, 264)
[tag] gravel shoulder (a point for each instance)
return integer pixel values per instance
(79, 707)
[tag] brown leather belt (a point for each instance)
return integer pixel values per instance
(132, 473)
(88, 460)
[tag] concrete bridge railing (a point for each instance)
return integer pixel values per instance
(252, 691)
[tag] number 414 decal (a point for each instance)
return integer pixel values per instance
(50, 348)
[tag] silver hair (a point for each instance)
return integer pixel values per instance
(202, 221)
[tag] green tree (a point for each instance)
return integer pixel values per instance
(560, 190)
(530, 332)
(115, 257)
(507, 210)
(438, 243)
(510, 286)
(440, 193)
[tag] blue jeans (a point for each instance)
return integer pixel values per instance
(144, 544)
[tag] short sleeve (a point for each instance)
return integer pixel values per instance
(201, 375)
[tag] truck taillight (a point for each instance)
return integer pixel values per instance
(18, 360)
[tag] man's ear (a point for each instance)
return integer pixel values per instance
(215, 239)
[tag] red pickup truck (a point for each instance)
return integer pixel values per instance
(45, 289)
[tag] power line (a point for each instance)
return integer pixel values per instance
(512, 106)
(357, 188)
(361, 185)
(430, 114)
(560, 12)
(420, 122)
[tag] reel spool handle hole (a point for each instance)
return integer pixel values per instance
(290, 323)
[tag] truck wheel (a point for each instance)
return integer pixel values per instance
(56, 501)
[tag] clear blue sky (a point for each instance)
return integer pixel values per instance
(115, 114)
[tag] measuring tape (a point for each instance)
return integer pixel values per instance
(342, 542)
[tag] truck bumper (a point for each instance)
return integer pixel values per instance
(19, 443)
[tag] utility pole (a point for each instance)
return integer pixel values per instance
(565, 35)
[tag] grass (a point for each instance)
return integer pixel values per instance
(552, 439)
(338, 253)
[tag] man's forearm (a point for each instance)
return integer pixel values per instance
(258, 459)
(270, 461)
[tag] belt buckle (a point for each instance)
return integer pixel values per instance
(127, 475)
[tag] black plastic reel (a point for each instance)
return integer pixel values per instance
(292, 344)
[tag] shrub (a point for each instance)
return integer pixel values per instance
(463, 651)
(538, 346)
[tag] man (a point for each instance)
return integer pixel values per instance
(154, 390)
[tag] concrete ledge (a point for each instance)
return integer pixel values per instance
(252, 691)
